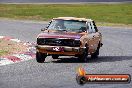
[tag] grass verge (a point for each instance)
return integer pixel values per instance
(111, 13)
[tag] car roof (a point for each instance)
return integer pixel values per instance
(74, 18)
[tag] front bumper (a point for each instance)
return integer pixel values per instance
(61, 50)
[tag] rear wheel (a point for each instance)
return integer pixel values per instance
(55, 56)
(40, 57)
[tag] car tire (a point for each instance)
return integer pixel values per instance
(40, 57)
(55, 56)
(96, 53)
(84, 57)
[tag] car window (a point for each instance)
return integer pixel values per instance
(92, 26)
(95, 27)
(74, 25)
(89, 27)
(68, 25)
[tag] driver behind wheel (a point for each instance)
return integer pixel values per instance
(60, 24)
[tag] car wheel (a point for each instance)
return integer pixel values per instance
(96, 53)
(55, 56)
(83, 57)
(40, 57)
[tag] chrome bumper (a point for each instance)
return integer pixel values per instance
(47, 48)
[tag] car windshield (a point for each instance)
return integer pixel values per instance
(68, 25)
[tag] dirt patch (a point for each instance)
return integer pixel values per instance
(9, 47)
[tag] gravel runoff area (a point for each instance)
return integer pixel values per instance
(13, 50)
(12, 46)
(115, 57)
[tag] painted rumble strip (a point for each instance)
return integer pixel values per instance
(18, 57)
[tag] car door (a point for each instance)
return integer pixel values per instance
(96, 35)
(92, 35)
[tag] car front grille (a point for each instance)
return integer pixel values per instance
(58, 42)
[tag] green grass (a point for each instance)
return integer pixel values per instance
(112, 13)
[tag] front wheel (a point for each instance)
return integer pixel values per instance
(83, 57)
(40, 57)
(96, 53)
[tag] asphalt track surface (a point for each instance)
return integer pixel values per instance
(115, 57)
(57, 1)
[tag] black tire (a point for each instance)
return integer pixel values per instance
(83, 57)
(55, 56)
(96, 53)
(40, 57)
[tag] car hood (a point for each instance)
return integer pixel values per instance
(59, 35)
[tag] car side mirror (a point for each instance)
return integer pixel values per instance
(43, 29)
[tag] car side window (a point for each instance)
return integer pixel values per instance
(89, 27)
(93, 28)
